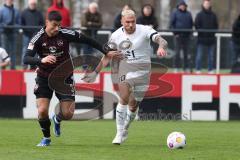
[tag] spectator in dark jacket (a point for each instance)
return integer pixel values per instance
(148, 17)
(181, 19)
(236, 40)
(92, 20)
(9, 16)
(206, 19)
(117, 21)
(30, 17)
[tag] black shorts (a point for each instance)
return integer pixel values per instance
(42, 90)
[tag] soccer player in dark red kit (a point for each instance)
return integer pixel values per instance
(51, 44)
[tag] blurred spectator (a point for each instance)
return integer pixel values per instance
(181, 19)
(206, 19)
(92, 20)
(9, 16)
(58, 5)
(117, 21)
(31, 16)
(236, 40)
(4, 59)
(148, 17)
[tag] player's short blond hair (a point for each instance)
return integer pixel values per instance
(128, 12)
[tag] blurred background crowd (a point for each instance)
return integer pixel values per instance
(202, 34)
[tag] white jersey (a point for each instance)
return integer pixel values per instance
(4, 56)
(140, 50)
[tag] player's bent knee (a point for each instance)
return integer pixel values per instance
(42, 112)
(133, 109)
(67, 116)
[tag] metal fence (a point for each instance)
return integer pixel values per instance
(223, 57)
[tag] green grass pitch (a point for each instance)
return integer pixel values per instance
(91, 140)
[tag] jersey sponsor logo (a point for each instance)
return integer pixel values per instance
(30, 46)
(52, 49)
(60, 43)
(58, 54)
(44, 44)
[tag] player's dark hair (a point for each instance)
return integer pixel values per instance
(54, 16)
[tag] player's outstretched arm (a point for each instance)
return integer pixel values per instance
(74, 36)
(91, 42)
(115, 55)
(95, 44)
(81, 38)
(103, 63)
(162, 49)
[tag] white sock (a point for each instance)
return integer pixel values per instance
(120, 116)
(130, 117)
(55, 119)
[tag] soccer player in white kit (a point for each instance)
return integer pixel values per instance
(133, 71)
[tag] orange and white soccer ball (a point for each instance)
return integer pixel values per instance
(176, 140)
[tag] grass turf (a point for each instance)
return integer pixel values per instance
(91, 140)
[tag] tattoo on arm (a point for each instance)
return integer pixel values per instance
(162, 42)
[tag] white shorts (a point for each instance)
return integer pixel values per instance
(137, 75)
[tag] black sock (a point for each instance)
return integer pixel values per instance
(45, 126)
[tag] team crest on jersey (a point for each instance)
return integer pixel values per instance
(52, 49)
(60, 43)
(36, 87)
(125, 45)
(30, 46)
(44, 44)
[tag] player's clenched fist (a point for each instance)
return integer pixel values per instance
(49, 59)
(161, 52)
(90, 77)
(115, 54)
